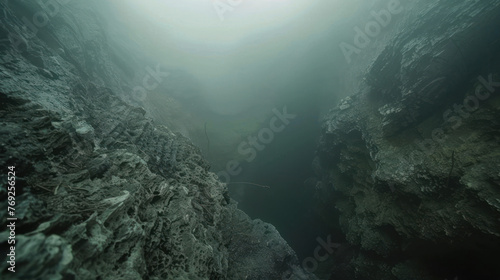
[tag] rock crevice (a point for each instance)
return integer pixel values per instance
(411, 160)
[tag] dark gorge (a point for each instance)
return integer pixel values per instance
(250, 139)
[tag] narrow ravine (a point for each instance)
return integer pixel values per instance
(258, 140)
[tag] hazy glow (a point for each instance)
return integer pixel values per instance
(198, 19)
(193, 26)
(223, 54)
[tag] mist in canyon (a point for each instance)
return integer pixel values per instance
(238, 139)
(230, 67)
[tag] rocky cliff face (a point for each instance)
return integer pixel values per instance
(102, 192)
(410, 163)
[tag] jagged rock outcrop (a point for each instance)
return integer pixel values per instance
(102, 192)
(411, 161)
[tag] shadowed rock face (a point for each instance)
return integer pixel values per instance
(409, 165)
(102, 191)
(411, 162)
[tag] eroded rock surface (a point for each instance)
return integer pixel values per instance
(102, 191)
(411, 161)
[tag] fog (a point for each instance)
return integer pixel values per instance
(242, 55)
(230, 68)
